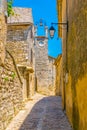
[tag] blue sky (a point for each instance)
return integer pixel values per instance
(45, 9)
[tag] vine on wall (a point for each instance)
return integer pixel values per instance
(9, 8)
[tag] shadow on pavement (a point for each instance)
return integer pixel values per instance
(46, 114)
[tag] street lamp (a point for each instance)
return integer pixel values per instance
(52, 29)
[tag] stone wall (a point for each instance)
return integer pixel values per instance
(44, 68)
(51, 75)
(75, 62)
(21, 45)
(17, 48)
(11, 89)
(41, 66)
(3, 32)
(11, 95)
(10, 84)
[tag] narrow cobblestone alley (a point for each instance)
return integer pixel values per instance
(41, 113)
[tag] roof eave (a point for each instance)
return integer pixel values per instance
(24, 23)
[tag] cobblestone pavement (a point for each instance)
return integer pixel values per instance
(41, 113)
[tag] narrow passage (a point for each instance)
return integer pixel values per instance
(41, 113)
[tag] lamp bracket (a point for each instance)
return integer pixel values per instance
(61, 24)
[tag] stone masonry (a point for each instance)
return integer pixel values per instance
(3, 31)
(15, 85)
(11, 96)
(20, 35)
(44, 68)
(21, 45)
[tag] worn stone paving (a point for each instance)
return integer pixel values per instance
(41, 113)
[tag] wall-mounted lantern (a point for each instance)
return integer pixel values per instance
(52, 29)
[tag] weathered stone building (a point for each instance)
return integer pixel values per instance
(20, 43)
(11, 97)
(3, 32)
(44, 65)
(74, 57)
(17, 62)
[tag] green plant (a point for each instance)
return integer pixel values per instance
(9, 8)
(13, 75)
(6, 78)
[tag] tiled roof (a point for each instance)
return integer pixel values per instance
(21, 15)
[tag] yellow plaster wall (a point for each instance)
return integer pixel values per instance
(59, 7)
(75, 60)
(76, 103)
(81, 89)
(58, 64)
(69, 100)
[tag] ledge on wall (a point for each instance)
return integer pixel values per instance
(25, 69)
